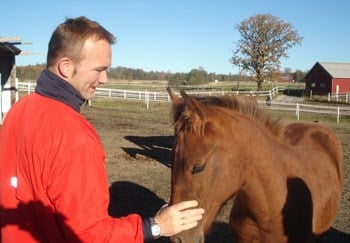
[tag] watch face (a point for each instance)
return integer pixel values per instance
(155, 230)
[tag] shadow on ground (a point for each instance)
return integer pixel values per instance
(127, 198)
(153, 147)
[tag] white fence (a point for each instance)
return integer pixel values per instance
(335, 97)
(299, 109)
(151, 96)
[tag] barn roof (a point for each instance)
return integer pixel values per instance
(6, 47)
(337, 70)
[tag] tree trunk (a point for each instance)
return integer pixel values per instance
(259, 82)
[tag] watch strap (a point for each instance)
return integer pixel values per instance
(146, 229)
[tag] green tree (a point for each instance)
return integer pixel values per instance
(197, 76)
(299, 76)
(176, 79)
(265, 39)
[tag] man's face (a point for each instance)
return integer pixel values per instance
(91, 71)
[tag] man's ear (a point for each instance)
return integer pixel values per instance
(66, 67)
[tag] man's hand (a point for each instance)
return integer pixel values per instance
(178, 217)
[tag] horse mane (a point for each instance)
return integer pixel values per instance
(246, 105)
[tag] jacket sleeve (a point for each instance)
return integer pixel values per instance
(79, 193)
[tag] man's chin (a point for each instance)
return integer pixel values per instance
(89, 96)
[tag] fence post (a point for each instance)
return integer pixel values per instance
(338, 114)
(147, 99)
(28, 90)
(17, 92)
(329, 97)
(311, 94)
(297, 111)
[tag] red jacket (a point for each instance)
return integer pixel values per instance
(56, 159)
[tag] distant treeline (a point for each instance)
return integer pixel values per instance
(194, 77)
(32, 72)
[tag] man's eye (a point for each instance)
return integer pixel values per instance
(100, 70)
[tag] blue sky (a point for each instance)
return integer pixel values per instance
(179, 35)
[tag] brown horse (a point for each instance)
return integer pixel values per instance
(286, 179)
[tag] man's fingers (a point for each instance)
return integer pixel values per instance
(187, 226)
(191, 212)
(191, 219)
(186, 204)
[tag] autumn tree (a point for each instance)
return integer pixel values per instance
(265, 39)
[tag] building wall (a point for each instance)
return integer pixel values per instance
(8, 83)
(6, 64)
(318, 80)
(343, 83)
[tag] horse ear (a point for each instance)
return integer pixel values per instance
(194, 106)
(174, 98)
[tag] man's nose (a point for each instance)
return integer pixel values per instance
(103, 78)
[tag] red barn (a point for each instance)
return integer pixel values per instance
(328, 77)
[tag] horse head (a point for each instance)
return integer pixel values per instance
(197, 162)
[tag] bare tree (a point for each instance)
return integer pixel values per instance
(265, 39)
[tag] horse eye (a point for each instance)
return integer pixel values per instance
(198, 168)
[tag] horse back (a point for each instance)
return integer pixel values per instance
(320, 154)
(316, 139)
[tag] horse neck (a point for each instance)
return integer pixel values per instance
(260, 188)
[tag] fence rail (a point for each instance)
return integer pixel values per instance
(333, 97)
(150, 96)
(335, 111)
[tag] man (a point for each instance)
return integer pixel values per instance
(53, 181)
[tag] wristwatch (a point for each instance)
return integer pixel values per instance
(155, 228)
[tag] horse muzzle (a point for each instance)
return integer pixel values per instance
(189, 236)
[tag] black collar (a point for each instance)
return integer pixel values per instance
(52, 86)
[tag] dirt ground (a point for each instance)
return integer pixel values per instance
(137, 161)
